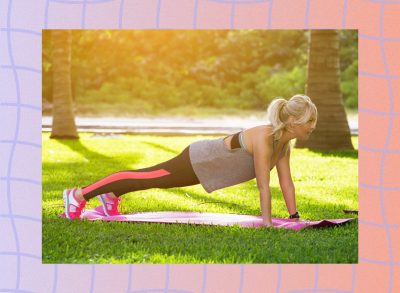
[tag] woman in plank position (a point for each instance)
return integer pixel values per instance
(217, 163)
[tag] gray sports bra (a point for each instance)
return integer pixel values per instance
(241, 141)
(238, 141)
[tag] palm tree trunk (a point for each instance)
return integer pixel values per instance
(323, 87)
(63, 114)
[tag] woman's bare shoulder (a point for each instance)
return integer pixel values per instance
(259, 137)
(260, 133)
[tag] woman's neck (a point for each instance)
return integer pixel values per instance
(286, 136)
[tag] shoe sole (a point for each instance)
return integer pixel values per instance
(66, 203)
(104, 204)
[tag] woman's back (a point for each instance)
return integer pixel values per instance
(251, 136)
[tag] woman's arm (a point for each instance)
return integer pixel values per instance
(262, 154)
(286, 182)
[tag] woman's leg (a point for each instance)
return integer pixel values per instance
(177, 172)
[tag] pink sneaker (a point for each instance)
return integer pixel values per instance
(73, 207)
(110, 204)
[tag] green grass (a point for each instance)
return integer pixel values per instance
(326, 183)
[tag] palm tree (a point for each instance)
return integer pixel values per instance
(323, 87)
(63, 115)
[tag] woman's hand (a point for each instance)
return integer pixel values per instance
(267, 223)
(267, 226)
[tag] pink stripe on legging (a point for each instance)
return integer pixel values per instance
(125, 175)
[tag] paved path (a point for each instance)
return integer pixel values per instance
(183, 126)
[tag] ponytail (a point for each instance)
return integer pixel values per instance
(299, 106)
(276, 113)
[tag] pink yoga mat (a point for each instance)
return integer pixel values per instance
(208, 219)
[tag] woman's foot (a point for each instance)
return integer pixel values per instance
(110, 204)
(73, 203)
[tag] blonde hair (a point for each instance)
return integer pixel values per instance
(299, 106)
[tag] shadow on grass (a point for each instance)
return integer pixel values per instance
(58, 176)
(318, 210)
(315, 211)
(78, 147)
(352, 154)
(204, 200)
(161, 147)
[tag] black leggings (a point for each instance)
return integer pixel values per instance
(177, 172)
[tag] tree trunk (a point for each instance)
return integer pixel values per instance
(323, 87)
(63, 114)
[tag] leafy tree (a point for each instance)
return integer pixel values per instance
(243, 69)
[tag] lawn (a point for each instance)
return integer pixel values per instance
(326, 183)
